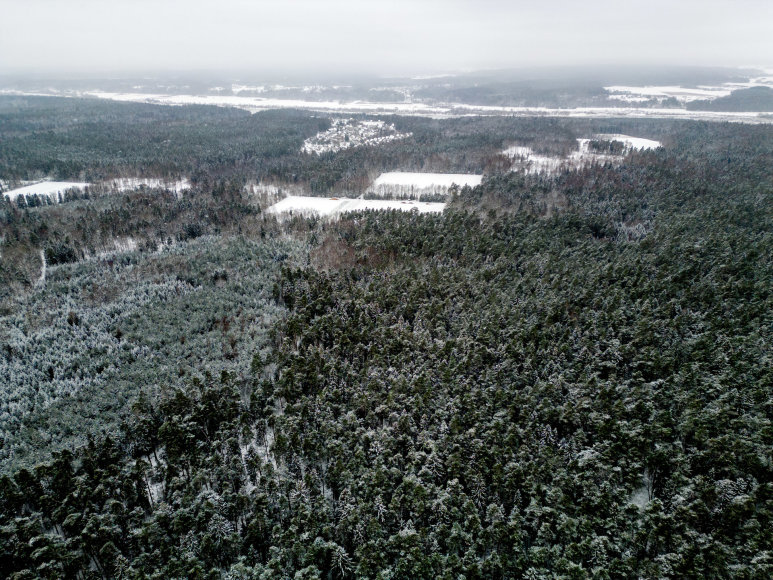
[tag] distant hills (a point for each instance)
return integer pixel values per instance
(742, 100)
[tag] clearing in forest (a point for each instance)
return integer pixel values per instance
(334, 206)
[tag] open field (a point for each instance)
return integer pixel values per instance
(52, 189)
(47, 188)
(334, 206)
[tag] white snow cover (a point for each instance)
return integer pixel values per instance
(428, 179)
(333, 206)
(53, 188)
(346, 133)
(683, 95)
(634, 94)
(49, 188)
(526, 160)
(630, 142)
(237, 88)
(442, 110)
(43, 265)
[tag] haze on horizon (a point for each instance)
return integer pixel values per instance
(376, 36)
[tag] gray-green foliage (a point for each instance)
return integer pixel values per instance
(478, 395)
(77, 350)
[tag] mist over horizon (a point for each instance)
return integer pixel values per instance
(339, 38)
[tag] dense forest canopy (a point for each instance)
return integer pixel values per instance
(751, 99)
(562, 375)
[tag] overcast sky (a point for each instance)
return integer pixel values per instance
(377, 36)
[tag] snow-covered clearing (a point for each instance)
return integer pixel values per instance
(635, 94)
(346, 133)
(49, 188)
(42, 279)
(334, 206)
(52, 189)
(131, 183)
(237, 88)
(630, 142)
(629, 94)
(428, 179)
(524, 158)
(403, 184)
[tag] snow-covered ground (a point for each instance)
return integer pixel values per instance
(428, 179)
(333, 206)
(630, 142)
(131, 183)
(52, 189)
(635, 94)
(524, 158)
(442, 110)
(43, 265)
(346, 133)
(49, 188)
(237, 88)
(402, 184)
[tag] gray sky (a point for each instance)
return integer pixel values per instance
(377, 36)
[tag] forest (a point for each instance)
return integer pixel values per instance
(563, 375)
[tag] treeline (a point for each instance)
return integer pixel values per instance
(753, 99)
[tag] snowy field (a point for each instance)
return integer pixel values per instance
(635, 94)
(52, 189)
(332, 206)
(661, 93)
(630, 142)
(48, 188)
(524, 158)
(255, 104)
(443, 110)
(428, 179)
(403, 184)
